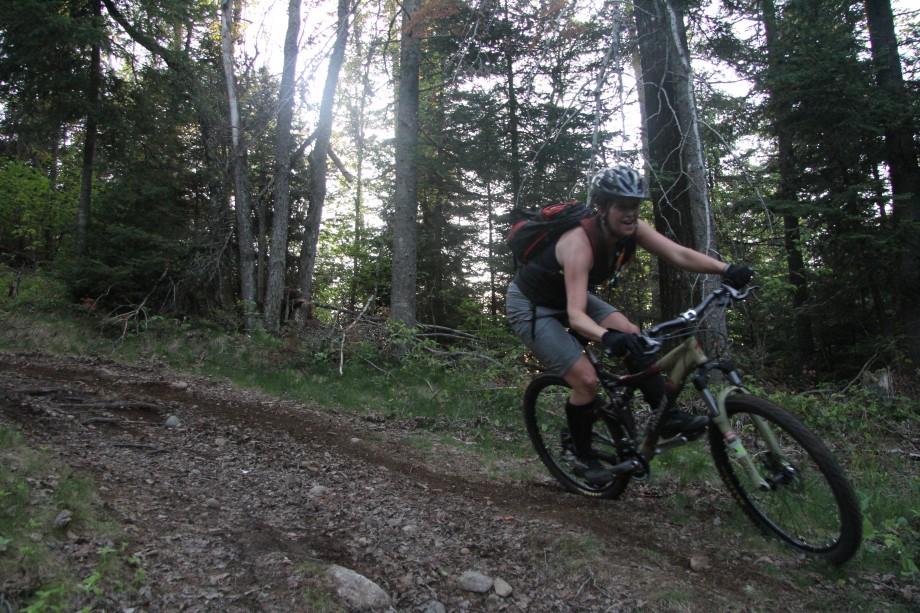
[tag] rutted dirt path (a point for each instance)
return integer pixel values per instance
(236, 507)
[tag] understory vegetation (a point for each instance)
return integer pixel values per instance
(463, 389)
(46, 508)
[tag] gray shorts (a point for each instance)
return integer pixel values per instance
(547, 336)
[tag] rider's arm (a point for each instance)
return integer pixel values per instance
(573, 252)
(674, 254)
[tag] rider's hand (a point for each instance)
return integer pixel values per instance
(737, 276)
(620, 343)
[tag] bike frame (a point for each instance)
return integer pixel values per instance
(689, 361)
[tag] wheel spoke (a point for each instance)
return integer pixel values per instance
(809, 503)
(544, 413)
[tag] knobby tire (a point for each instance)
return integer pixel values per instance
(544, 415)
(812, 507)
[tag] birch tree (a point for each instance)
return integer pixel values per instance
(318, 157)
(238, 156)
(277, 260)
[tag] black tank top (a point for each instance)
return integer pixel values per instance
(541, 278)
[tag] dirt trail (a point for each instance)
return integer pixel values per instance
(237, 507)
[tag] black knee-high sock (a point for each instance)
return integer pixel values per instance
(653, 386)
(581, 418)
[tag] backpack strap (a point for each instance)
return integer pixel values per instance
(625, 248)
(593, 232)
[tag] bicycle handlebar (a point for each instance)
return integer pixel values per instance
(724, 295)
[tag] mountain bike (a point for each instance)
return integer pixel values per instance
(782, 475)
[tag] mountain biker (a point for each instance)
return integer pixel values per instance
(554, 288)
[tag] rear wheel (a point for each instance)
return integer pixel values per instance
(544, 415)
(807, 500)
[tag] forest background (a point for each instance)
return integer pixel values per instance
(329, 225)
(154, 162)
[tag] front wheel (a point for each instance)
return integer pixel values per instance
(544, 415)
(804, 496)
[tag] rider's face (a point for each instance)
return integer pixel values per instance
(623, 216)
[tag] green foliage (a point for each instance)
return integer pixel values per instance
(33, 490)
(33, 216)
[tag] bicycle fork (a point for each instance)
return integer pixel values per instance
(719, 416)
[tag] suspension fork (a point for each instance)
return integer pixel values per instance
(719, 416)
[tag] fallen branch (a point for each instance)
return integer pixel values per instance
(375, 366)
(139, 446)
(112, 405)
(451, 354)
(345, 333)
(860, 373)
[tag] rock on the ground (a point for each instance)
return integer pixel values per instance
(434, 607)
(473, 581)
(359, 592)
(502, 588)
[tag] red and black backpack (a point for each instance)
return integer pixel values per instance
(534, 229)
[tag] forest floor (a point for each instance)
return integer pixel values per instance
(242, 501)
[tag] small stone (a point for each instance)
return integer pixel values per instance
(434, 606)
(473, 581)
(318, 491)
(212, 503)
(179, 385)
(359, 592)
(699, 563)
(63, 519)
(464, 551)
(502, 588)
(354, 440)
(409, 529)
(220, 441)
(172, 422)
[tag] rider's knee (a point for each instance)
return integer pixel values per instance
(584, 379)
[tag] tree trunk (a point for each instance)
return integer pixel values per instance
(359, 124)
(240, 182)
(493, 287)
(786, 195)
(318, 158)
(277, 259)
(679, 188)
(403, 299)
(512, 117)
(903, 169)
(89, 139)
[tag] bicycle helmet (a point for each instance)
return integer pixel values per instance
(617, 182)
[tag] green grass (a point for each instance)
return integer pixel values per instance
(474, 406)
(33, 491)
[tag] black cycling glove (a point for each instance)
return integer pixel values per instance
(620, 343)
(737, 276)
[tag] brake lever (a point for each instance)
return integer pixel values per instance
(653, 345)
(737, 294)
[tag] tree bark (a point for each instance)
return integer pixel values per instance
(786, 194)
(678, 171)
(359, 124)
(513, 128)
(903, 169)
(89, 139)
(277, 259)
(405, 266)
(240, 182)
(318, 157)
